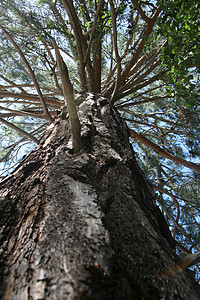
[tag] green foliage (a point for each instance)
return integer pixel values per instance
(180, 24)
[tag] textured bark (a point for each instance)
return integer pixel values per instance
(85, 225)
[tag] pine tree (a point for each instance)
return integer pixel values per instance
(79, 218)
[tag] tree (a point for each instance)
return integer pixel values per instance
(79, 219)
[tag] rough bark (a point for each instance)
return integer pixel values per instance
(85, 225)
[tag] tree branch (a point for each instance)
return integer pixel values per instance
(136, 79)
(81, 47)
(140, 47)
(141, 85)
(188, 261)
(117, 83)
(140, 10)
(19, 130)
(13, 84)
(146, 100)
(158, 188)
(50, 100)
(23, 113)
(69, 98)
(93, 31)
(46, 112)
(164, 153)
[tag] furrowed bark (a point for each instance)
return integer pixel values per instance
(85, 226)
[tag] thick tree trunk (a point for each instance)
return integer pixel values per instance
(85, 225)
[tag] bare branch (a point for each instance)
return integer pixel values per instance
(136, 79)
(188, 261)
(146, 100)
(126, 51)
(177, 225)
(158, 188)
(23, 113)
(13, 84)
(147, 32)
(164, 153)
(47, 114)
(19, 130)
(141, 85)
(50, 100)
(140, 10)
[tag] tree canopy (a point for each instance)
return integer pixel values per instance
(144, 56)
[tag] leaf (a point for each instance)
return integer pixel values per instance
(187, 27)
(170, 39)
(174, 50)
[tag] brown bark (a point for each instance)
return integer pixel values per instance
(140, 10)
(100, 6)
(85, 226)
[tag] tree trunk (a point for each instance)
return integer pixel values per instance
(85, 225)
